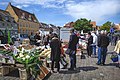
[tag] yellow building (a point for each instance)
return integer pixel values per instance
(27, 22)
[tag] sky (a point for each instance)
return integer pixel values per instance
(60, 12)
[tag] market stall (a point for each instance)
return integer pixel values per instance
(29, 60)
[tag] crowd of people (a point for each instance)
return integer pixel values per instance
(96, 45)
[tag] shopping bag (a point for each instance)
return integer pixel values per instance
(114, 57)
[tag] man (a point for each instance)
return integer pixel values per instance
(55, 46)
(89, 44)
(94, 45)
(103, 42)
(72, 45)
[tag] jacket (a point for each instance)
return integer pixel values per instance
(73, 41)
(55, 46)
(103, 41)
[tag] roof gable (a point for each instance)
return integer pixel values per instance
(24, 14)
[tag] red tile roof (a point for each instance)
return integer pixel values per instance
(69, 25)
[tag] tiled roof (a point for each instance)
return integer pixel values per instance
(20, 12)
(5, 12)
(69, 25)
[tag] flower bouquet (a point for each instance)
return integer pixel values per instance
(30, 60)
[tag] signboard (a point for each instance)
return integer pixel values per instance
(65, 34)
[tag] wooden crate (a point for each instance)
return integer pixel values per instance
(4, 70)
(44, 71)
(1, 71)
(23, 74)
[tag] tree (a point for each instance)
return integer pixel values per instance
(106, 26)
(83, 24)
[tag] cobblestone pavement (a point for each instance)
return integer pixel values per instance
(86, 70)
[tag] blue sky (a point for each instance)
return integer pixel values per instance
(59, 12)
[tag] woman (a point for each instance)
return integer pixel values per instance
(55, 45)
(117, 50)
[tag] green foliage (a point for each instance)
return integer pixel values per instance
(9, 38)
(106, 26)
(83, 24)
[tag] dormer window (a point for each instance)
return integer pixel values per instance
(23, 16)
(35, 20)
(29, 17)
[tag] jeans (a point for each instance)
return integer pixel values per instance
(72, 61)
(99, 55)
(94, 49)
(102, 52)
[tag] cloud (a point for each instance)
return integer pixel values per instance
(44, 3)
(21, 6)
(96, 10)
(3, 3)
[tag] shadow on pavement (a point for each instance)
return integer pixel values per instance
(88, 68)
(69, 72)
(77, 70)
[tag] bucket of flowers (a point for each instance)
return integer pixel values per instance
(30, 61)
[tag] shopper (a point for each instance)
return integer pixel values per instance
(46, 41)
(103, 42)
(72, 45)
(37, 39)
(94, 45)
(55, 46)
(89, 44)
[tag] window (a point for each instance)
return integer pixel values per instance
(29, 17)
(0, 18)
(35, 21)
(23, 16)
(6, 18)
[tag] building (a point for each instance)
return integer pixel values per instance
(117, 26)
(94, 27)
(69, 25)
(7, 23)
(27, 22)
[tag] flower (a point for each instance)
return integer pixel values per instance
(27, 56)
